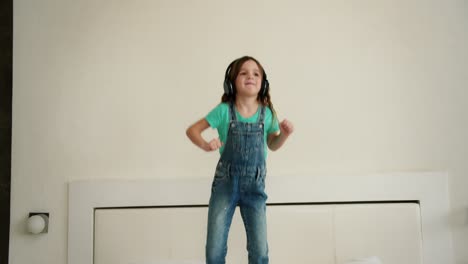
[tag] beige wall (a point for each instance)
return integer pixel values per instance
(105, 89)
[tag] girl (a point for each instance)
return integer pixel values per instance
(246, 124)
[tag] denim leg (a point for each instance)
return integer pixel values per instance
(220, 212)
(253, 211)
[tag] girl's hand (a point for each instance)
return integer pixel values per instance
(194, 134)
(214, 144)
(286, 127)
(276, 140)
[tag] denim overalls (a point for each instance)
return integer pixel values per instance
(239, 180)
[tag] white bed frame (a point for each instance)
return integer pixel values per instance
(430, 189)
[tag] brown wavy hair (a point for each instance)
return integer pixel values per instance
(265, 99)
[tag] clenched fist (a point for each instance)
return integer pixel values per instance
(286, 127)
(214, 144)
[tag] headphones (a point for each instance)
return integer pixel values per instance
(229, 86)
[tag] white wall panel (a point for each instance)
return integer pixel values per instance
(303, 234)
(392, 232)
(177, 235)
(300, 234)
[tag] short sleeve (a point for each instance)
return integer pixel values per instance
(274, 125)
(216, 116)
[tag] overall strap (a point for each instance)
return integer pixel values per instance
(232, 112)
(261, 116)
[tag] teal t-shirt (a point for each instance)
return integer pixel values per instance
(219, 118)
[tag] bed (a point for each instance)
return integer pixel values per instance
(392, 218)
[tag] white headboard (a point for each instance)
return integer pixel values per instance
(429, 188)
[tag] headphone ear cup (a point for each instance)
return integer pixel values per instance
(228, 89)
(265, 87)
(228, 86)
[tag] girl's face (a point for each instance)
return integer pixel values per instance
(249, 79)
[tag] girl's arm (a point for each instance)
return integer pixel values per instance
(194, 134)
(275, 141)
